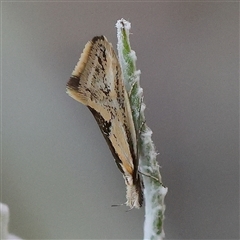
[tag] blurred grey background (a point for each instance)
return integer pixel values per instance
(58, 176)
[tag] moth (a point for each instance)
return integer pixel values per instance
(97, 82)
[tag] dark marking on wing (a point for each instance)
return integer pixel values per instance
(105, 128)
(73, 82)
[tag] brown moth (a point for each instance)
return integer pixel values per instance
(97, 82)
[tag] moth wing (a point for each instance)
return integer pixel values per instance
(97, 83)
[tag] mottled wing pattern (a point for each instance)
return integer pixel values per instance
(97, 83)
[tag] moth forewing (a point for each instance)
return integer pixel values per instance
(97, 82)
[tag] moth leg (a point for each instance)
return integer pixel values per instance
(141, 126)
(117, 205)
(147, 175)
(132, 86)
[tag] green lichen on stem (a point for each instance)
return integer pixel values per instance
(154, 191)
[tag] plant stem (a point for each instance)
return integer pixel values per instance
(154, 191)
